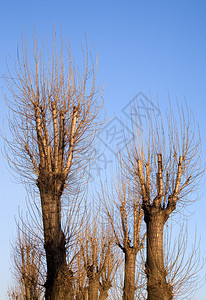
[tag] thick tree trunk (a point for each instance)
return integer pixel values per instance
(129, 279)
(93, 289)
(58, 283)
(157, 286)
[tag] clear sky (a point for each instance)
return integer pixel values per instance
(156, 47)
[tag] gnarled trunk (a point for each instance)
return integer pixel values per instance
(157, 286)
(129, 280)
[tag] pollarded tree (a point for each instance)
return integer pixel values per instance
(53, 123)
(163, 160)
(97, 261)
(28, 262)
(125, 216)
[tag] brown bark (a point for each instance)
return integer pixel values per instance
(157, 286)
(93, 289)
(129, 280)
(58, 284)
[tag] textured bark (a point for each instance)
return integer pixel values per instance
(157, 286)
(58, 284)
(129, 280)
(93, 289)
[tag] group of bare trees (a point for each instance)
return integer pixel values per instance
(115, 250)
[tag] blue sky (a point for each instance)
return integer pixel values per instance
(157, 47)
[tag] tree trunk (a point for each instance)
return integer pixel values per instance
(157, 286)
(129, 275)
(93, 289)
(58, 283)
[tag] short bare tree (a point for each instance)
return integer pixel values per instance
(97, 261)
(28, 265)
(123, 209)
(53, 123)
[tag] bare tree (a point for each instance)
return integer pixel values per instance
(53, 124)
(125, 216)
(28, 270)
(98, 261)
(164, 161)
(15, 293)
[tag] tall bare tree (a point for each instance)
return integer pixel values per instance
(164, 161)
(53, 123)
